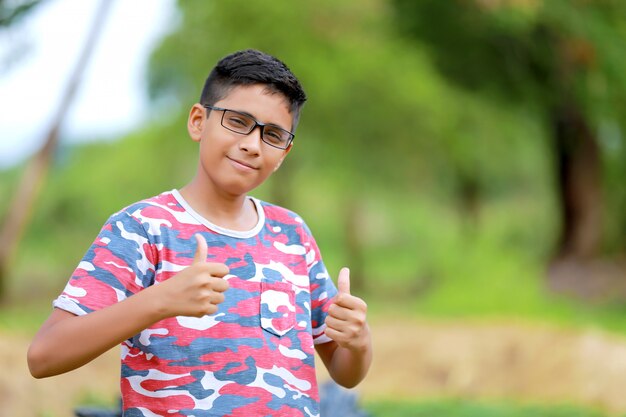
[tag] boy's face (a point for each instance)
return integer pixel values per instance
(230, 162)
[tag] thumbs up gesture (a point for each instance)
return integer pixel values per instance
(196, 290)
(346, 321)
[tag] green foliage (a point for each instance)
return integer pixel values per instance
(538, 55)
(24, 318)
(522, 50)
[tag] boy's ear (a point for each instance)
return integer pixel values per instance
(196, 121)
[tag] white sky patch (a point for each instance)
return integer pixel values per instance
(112, 97)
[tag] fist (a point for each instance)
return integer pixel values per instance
(346, 322)
(198, 289)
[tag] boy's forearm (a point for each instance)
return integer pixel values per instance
(349, 367)
(67, 343)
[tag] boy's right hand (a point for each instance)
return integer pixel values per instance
(198, 289)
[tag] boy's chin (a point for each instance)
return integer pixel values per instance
(242, 186)
(238, 189)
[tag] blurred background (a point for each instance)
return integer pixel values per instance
(466, 159)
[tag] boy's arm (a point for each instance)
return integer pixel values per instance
(66, 341)
(349, 355)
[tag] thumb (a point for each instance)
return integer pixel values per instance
(201, 249)
(343, 281)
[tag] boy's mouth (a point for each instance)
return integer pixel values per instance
(241, 163)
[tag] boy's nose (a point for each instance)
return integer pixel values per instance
(252, 141)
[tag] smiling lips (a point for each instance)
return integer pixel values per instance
(241, 164)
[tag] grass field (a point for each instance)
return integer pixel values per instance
(455, 408)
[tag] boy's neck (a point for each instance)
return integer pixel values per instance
(230, 212)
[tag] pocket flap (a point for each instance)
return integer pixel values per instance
(278, 307)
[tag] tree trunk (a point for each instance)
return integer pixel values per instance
(579, 184)
(468, 195)
(16, 220)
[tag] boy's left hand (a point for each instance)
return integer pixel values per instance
(346, 321)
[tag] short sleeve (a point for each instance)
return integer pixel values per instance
(119, 263)
(323, 289)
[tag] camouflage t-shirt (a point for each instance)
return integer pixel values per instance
(255, 356)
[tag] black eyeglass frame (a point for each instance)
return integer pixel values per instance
(256, 123)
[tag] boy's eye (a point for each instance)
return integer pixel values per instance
(238, 121)
(273, 136)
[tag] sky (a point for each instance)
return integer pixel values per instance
(38, 55)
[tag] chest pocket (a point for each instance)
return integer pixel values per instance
(278, 307)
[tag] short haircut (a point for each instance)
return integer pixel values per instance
(251, 67)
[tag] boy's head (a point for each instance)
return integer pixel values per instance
(245, 68)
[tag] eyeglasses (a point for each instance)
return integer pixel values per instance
(244, 124)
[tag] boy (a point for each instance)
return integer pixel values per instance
(216, 298)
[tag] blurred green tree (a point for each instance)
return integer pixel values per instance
(563, 60)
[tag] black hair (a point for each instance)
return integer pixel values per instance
(250, 67)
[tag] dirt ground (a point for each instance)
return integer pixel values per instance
(413, 359)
